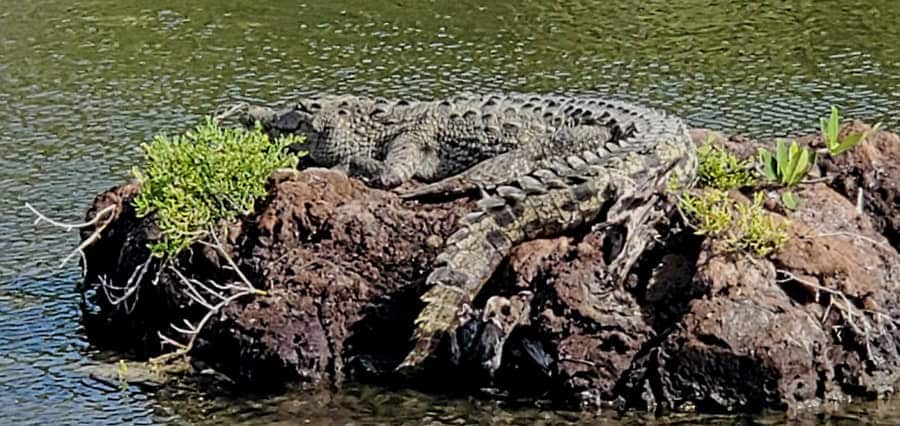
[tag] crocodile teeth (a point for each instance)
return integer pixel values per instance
(442, 259)
(576, 178)
(473, 217)
(510, 193)
(531, 185)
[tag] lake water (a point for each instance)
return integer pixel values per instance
(82, 83)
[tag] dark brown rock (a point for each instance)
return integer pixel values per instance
(690, 327)
(873, 170)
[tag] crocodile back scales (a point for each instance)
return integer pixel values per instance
(458, 132)
(546, 164)
(564, 192)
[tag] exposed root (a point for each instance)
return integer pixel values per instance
(107, 214)
(854, 317)
(127, 290)
(212, 296)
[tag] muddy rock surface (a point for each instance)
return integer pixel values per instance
(691, 327)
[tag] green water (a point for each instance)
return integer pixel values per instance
(83, 82)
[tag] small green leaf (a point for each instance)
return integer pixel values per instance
(833, 127)
(848, 143)
(781, 157)
(790, 200)
(823, 127)
(800, 167)
(768, 164)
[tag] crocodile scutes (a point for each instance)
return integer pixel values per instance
(544, 164)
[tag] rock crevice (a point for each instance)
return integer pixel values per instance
(692, 327)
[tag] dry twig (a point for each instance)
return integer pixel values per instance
(855, 317)
(212, 296)
(107, 212)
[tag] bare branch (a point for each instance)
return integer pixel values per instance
(240, 106)
(130, 288)
(217, 290)
(855, 318)
(191, 292)
(854, 235)
(170, 341)
(185, 331)
(70, 226)
(220, 248)
(108, 212)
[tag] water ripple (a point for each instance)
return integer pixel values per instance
(83, 83)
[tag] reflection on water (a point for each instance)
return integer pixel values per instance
(82, 83)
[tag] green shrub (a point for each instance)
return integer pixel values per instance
(710, 212)
(720, 169)
(742, 226)
(192, 181)
(758, 231)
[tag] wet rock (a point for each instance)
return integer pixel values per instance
(343, 267)
(690, 327)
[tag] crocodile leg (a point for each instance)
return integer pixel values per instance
(486, 174)
(511, 165)
(540, 204)
(409, 155)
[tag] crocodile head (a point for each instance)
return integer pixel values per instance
(333, 127)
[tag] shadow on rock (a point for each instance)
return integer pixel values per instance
(689, 327)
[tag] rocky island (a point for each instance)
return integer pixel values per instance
(616, 288)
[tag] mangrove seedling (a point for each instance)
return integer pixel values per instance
(742, 226)
(788, 166)
(831, 133)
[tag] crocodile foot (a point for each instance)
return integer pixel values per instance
(373, 173)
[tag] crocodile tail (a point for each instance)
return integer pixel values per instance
(565, 194)
(467, 262)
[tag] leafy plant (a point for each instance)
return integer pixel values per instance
(831, 132)
(720, 169)
(742, 226)
(192, 181)
(758, 232)
(710, 211)
(788, 166)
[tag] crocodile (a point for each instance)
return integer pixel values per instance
(544, 165)
(480, 140)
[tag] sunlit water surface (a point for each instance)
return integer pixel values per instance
(83, 83)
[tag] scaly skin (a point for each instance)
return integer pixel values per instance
(545, 203)
(546, 164)
(389, 142)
